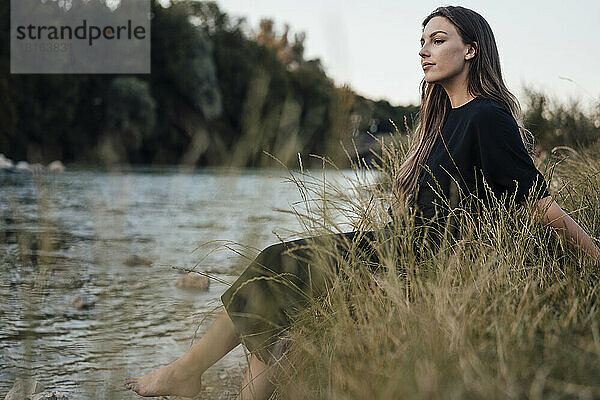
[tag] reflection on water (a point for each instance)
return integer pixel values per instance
(72, 234)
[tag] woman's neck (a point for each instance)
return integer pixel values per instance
(457, 92)
(458, 101)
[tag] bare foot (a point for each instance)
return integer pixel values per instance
(175, 379)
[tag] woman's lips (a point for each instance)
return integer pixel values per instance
(426, 66)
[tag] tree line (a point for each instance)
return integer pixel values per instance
(218, 94)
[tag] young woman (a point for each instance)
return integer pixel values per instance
(468, 134)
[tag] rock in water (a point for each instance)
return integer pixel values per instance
(23, 166)
(56, 166)
(6, 163)
(23, 389)
(135, 260)
(193, 281)
(81, 303)
(48, 395)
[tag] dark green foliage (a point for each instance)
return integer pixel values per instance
(555, 124)
(217, 95)
(129, 115)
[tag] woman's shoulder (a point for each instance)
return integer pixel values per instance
(485, 117)
(486, 110)
(491, 122)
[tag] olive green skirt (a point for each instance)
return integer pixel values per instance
(265, 299)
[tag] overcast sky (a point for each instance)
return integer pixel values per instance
(373, 45)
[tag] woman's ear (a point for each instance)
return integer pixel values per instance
(471, 51)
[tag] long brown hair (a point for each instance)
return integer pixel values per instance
(484, 80)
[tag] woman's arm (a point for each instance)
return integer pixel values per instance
(566, 228)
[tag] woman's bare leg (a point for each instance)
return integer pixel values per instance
(257, 385)
(182, 377)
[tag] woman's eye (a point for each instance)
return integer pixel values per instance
(435, 41)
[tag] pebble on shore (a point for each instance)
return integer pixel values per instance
(6, 163)
(30, 389)
(56, 166)
(23, 166)
(23, 388)
(49, 395)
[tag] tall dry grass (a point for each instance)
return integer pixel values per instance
(504, 312)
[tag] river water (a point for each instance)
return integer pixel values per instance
(71, 234)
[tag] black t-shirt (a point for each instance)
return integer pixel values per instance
(479, 139)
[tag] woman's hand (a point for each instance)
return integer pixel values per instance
(554, 216)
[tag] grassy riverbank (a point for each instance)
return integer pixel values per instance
(506, 312)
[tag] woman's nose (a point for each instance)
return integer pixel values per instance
(423, 52)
